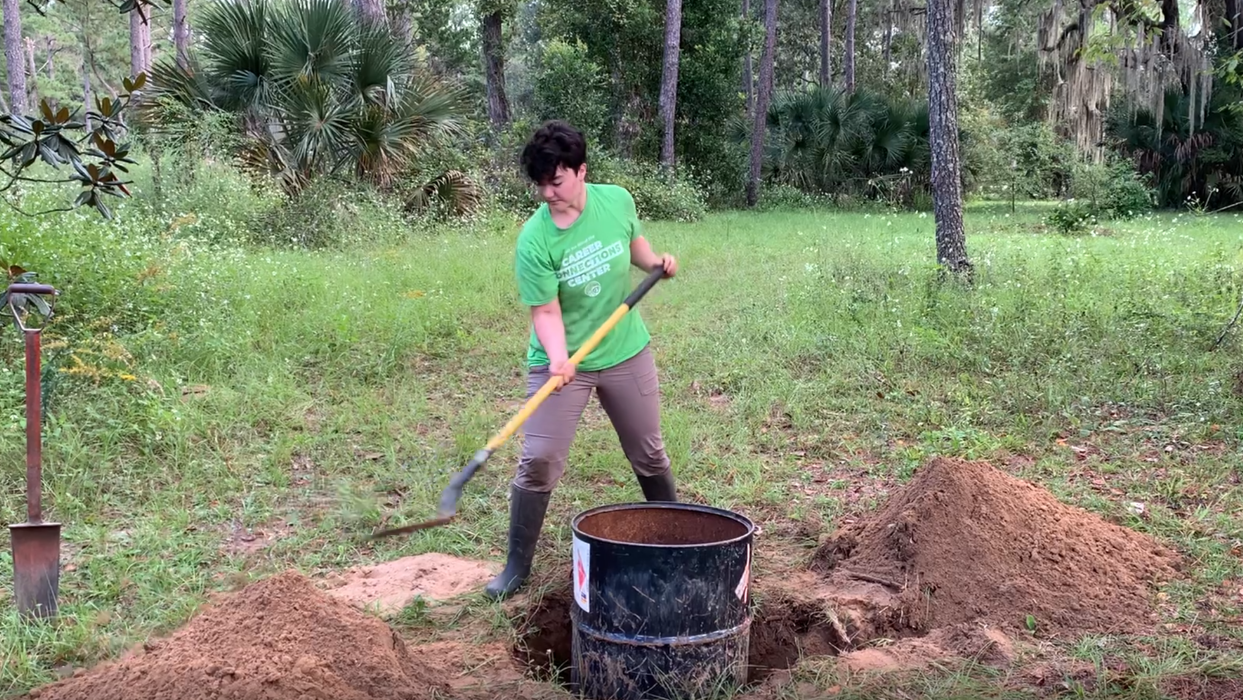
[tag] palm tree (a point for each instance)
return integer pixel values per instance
(315, 88)
(1204, 162)
(833, 141)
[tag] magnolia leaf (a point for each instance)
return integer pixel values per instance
(44, 309)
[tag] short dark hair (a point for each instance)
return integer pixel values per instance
(556, 143)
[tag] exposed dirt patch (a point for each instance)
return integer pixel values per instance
(387, 588)
(1200, 688)
(278, 639)
(244, 541)
(1063, 676)
(903, 655)
(965, 542)
(478, 669)
(982, 645)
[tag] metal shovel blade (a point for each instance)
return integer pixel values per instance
(36, 568)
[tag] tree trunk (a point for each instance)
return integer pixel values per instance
(15, 62)
(943, 137)
(51, 56)
(826, 43)
(848, 71)
(748, 73)
(403, 26)
(669, 79)
(371, 11)
(88, 99)
(139, 43)
(1233, 17)
(181, 33)
(760, 123)
(32, 72)
(888, 52)
(493, 48)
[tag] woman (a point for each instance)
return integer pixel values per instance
(572, 263)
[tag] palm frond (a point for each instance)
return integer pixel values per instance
(382, 66)
(431, 109)
(319, 128)
(313, 39)
(453, 189)
(233, 48)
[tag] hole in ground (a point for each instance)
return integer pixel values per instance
(782, 632)
(544, 636)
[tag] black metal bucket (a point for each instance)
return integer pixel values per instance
(661, 601)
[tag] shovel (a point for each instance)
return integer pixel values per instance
(36, 544)
(449, 497)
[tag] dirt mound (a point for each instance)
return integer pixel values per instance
(964, 542)
(278, 639)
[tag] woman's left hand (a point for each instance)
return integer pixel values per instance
(670, 264)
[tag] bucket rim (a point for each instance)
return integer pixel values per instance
(739, 518)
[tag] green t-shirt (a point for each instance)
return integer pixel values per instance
(587, 267)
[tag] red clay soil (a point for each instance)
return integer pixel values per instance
(277, 639)
(966, 542)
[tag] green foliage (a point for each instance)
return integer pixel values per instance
(1072, 218)
(331, 214)
(655, 196)
(1113, 190)
(831, 142)
(1108, 191)
(315, 90)
(1026, 158)
(569, 85)
(625, 40)
(86, 144)
(1201, 165)
(1010, 76)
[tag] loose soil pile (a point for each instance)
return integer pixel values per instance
(966, 542)
(278, 639)
(388, 587)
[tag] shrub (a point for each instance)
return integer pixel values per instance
(1072, 218)
(331, 214)
(655, 196)
(1114, 190)
(570, 86)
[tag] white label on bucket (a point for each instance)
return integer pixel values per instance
(582, 574)
(741, 589)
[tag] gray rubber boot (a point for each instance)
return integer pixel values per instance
(526, 519)
(659, 488)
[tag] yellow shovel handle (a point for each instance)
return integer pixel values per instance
(554, 382)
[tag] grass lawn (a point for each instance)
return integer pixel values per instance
(809, 363)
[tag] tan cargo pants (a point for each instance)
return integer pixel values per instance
(629, 393)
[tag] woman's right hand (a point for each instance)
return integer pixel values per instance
(564, 369)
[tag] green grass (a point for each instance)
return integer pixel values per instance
(304, 394)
